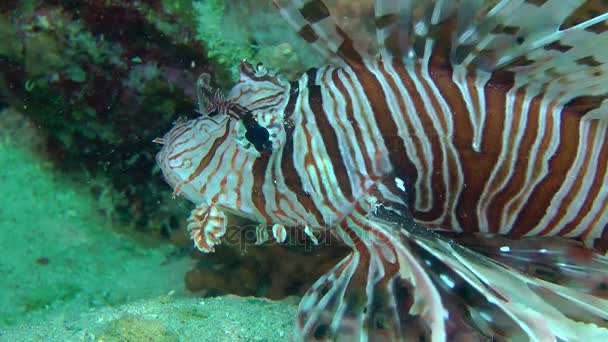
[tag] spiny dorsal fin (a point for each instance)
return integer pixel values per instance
(314, 23)
(366, 29)
(559, 46)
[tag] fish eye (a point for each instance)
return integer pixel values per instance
(258, 136)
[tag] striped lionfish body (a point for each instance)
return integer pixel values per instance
(474, 117)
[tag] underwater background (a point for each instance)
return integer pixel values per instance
(93, 245)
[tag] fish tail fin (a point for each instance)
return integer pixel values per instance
(412, 284)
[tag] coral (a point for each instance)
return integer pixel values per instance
(226, 52)
(103, 79)
(271, 270)
(252, 29)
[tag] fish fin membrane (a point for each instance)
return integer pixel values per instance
(408, 283)
(315, 24)
(559, 47)
(366, 297)
(557, 260)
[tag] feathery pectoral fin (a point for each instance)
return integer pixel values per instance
(403, 283)
(378, 292)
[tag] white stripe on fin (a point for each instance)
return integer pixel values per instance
(313, 22)
(559, 45)
(409, 29)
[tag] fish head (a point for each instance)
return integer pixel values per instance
(192, 156)
(210, 159)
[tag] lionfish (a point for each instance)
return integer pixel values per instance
(484, 122)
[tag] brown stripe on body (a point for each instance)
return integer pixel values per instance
(293, 96)
(292, 178)
(434, 101)
(496, 205)
(350, 116)
(476, 166)
(529, 222)
(404, 167)
(516, 182)
(438, 190)
(239, 193)
(381, 110)
(593, 194)
(450, 157)
(572, 194)
(258, 170)
(597, 184)
(225, 178)
(329, 138)
(310, 161)
(351, 143)
(601, 233)
(366, 121)
(559, 166)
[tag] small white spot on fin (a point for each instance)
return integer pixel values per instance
(311, 235)
(261, 234)
(279, 232)
(400, 184)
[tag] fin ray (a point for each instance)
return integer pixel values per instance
(313, 22)
(560, 47)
